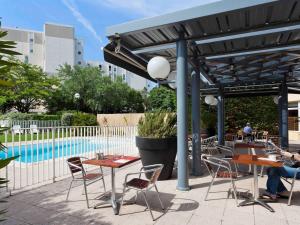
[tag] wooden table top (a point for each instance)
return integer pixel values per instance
(112, 161)
(249, 145)
(255, 159)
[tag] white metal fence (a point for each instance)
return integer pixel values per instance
(27, 123)
(43, 154)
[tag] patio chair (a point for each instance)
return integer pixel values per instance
(34, 129)
(292, 183)
(79, 174)
(143, 185)
(220, 168)
(208, 145)
(16, 129)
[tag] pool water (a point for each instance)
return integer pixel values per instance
(38, 152)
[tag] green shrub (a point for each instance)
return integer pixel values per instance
(67, 119)
(84, 119)
(28, 116)
(158, 125)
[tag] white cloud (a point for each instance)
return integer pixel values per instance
(146, 8)
(70, 4)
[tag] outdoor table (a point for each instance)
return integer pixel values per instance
(255, 160)
(113, 162)
(251, 147)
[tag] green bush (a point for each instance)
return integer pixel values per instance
(67, 119)
(28, 116)
(158, 125)
(84, 119)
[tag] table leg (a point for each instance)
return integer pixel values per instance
(255, 198)
(114, 203)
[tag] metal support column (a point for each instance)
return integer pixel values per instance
(182, 116)
(196, 148)
(284, 116)
(221, 118)
(279, 115)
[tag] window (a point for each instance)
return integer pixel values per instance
(124, 77)
(26, 59)
(79, 62)
(31, 50)
(31, 39)
(109, 67)
(100, 67)
(79, 52)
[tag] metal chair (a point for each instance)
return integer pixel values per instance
(292, 183)
(143, 185)
(79, 174)
(208, 145)
(220, 168)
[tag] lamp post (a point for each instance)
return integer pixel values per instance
(77, 97)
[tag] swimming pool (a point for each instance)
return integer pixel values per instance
(44, 151)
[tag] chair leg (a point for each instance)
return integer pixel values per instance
(234, 192)
(145, 197)
(291, 192)
(162, 206)
(69, 190)
(86, 194)
(104, 187)
(136, 196)
(262, 171)
(122, 199)
(211, 184)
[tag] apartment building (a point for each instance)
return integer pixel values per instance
(134, 81)
(54, 46)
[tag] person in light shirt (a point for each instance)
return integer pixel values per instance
(275, 187)
(247, 129)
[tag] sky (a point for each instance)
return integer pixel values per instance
(88, 17)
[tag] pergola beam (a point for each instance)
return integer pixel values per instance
(225, 37)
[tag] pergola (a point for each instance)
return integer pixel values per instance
(228, 49)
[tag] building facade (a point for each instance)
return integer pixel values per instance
(54, 46)
(57, 45)
(134, 81)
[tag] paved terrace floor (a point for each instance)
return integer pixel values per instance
(47, 205)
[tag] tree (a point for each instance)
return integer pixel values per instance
(5, 65)
(162, 98)
(260, 111)
(30, 86)
(98, 93)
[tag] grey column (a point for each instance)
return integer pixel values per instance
(196, 150)
(221, 118)
(279, 114)
(182, 116)
(284, 116)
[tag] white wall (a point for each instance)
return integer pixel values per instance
(58, 51)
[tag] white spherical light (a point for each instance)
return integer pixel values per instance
(158, 68)
(214, 102)
(209, 99)
(172, 79)
(275, 99)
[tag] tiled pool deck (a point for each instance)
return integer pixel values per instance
(47, 205)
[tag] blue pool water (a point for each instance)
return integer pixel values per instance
(37, 152)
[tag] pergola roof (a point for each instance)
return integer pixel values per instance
(246, 47)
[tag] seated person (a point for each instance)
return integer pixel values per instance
(275, 187)
(247, 130)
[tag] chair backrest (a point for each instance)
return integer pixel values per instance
(33, 126)
(156, 170)
(75, 165)
(16, 127)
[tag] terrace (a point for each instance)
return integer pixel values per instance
(47, 205)
(237, 49)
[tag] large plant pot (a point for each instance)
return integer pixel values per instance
(158, 151)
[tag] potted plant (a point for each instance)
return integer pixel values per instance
(157, 141)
